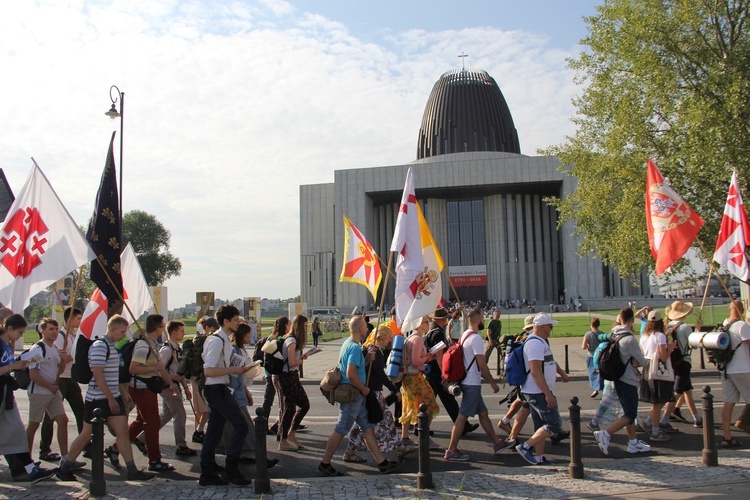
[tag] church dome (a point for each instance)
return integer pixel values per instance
(466, 112)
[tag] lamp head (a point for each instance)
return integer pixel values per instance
(113, 113)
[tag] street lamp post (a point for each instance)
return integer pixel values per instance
(114, 113)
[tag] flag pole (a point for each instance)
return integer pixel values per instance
(388, 268)
(705, 292)
(385, 288)
(721, 280)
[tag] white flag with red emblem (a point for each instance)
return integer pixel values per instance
(134, 289)
(734, 235)
(39, 243)
(408, 245)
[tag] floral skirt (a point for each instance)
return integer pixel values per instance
(385, 431)
(415, 390)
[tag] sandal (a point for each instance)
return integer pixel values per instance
(113, 455)
(730, 443)
(353, 458)
(50, 456)
(159, 466)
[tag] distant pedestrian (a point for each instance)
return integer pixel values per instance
(590, 343)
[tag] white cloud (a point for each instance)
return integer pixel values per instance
(229, 107)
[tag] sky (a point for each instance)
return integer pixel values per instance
(231, 105)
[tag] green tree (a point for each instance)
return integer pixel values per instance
(661, 79)
(150, 240)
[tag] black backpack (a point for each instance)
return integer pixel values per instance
(258, 353)
(722, 357)
(191, 364)
(274, 362)
(81, 370)
(126, 356)
(23, 379)
(611, 366)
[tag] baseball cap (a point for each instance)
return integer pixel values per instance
(543, 319)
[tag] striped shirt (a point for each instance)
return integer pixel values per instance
(98, 357)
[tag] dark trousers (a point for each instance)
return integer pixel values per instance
(17, 462)
(449, 401)
(71, 392)
(222, 408)
(488, 353)
(269, 396)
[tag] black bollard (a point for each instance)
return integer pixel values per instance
(575, 469)
(424, 476)
(710, 455)
(567, 365)
(97, 485)
(262, 481)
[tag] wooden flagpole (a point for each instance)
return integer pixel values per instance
(705, 292)
(721, 280)
(385, 289)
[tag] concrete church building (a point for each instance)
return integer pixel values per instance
(482, 199)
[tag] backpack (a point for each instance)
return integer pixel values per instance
(191, 364)
(183, 366)
(23, 379)
(272, 363)
(126, 356)
(515, 368)
(81, 369)
(677, 356)
(611, 366)
(453, 361)
(258, 352)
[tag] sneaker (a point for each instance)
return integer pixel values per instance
(198, 436)
(603, 441)
(526, 453)
(65, 476)
(556, 438)
(113, 455)
(677, 416)
(456, 456)
(184, 451)
(211, 479)
(592, 427)
(543, 461)
(434, 446)
(638, 447)
(660, 437)
(75, 465)
(236, 478)
(389, 466)
(470, 428)
(328, 470)
(39, 474)
(698, 424)
(668, 428)
(141, 476)
(505, 427)
(508, 444)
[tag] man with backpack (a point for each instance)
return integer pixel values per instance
(472, 403)
(223, 407)
(538, 390)
(191, 367)
(735, 382)
(628, 350)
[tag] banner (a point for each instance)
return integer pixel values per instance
(205, 303)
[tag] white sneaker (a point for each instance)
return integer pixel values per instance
(638, 447)
(603, 441)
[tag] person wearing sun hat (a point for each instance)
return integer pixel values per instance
(676, 313)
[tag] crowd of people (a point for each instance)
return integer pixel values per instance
(210, 373)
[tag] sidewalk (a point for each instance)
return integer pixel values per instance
(644, 477)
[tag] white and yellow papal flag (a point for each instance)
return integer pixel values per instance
(426, 289)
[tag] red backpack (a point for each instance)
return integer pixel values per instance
(453, 361)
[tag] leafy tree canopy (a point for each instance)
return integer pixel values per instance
(150, 240)
(661, 79)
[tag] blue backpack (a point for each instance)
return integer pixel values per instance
(515, 368)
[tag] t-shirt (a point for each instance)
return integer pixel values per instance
(6, 357)
(47, 368)
(592, 336)
(739, 332)
(681, 333)
(472, 344)
(494, 328)
(650, 343)
(455, 328)
(142, 354)
(98, 357)
(537, 349)
(165, 356)
(351, 354)
(60, 344)
(288, 343)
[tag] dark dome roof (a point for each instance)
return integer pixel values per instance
(466, 112)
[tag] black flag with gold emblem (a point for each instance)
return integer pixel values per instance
(105, 237)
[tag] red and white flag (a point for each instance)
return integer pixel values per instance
(360, 260)
(135, 291)
(408, 245)
(672, 224)
(734, 235)
(39, 243)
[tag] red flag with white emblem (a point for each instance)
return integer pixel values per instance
(672, 224)
(734, 235)
(360, 260)
(39, 243)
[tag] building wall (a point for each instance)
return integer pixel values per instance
(317, 269)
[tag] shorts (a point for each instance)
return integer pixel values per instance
(736, 385)
(350, 413)
(198, 401)
(543, 415)
(90, 406)
(39, 404)
(682, 381)
(628, 396)
(472, 402)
